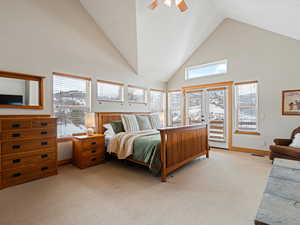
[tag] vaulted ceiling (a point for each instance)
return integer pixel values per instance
(157, 42)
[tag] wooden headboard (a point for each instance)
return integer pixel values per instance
(107, 117)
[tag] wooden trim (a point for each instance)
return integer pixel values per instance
(157, 90)
(71, 76)
(61, 140)
(246, 82)
(64, 162)
(23, 116)
(137, 162)
(283, 101)
(137, 87)
(169, 91)
(193, 91)
(216, 89)
(228, 83)
(22, 76)
(230, 115)
(111, 82)
(250, 150)
(247, 132)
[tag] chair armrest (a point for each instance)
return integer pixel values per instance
(283, 142)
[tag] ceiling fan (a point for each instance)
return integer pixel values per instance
(181, 4)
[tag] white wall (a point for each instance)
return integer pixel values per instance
(253, 54)
(42, 36)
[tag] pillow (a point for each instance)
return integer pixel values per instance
(117, 126)
(109, 129)
(155, 121)
(296, 141)
(130, 123)
(144, 122)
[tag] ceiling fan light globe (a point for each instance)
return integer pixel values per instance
(168, 3)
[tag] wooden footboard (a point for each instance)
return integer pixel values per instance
(181, 145)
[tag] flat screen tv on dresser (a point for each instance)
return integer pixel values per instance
(28, 148)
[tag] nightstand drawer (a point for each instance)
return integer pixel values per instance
(93, 160)
(93, 152)
(92, 143)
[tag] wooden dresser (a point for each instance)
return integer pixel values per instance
(28, 149)
(88, 150)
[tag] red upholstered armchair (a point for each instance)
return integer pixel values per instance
(281, 148)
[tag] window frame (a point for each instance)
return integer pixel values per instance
(111, 83)
(187, 69)
(87, 79)
(245, 131)
(165, 108)
(169, 122)
(140, 88)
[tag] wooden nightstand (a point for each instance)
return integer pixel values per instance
(88, 150)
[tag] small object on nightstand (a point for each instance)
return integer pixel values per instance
(88, 150)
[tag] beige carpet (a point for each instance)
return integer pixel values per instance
(224, 190)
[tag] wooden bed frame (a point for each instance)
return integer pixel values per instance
(179, 145)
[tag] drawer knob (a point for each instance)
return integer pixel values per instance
(16, 161)
(16, 135)
(44, 124)
(93, 143)
(16, 175)
(44, 156)
(44, 143)
(16, 146)
(93, 159)
(94, 151)
(44, 132)
(16, 125)
(44, 168)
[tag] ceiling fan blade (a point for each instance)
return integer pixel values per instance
(182, 6)
(153, 5)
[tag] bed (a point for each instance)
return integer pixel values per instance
(178, 145)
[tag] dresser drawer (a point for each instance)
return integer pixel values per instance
(24, 174)
(15, 124)
(28, 134)
(25, 159)
(43, 123)
(92, 143)
(23, 146)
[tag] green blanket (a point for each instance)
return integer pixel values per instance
(147, 149)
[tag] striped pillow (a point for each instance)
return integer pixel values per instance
(155, 121)
(130, 123)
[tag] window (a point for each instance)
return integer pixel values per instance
(136, 95)
(158, 103)
(71, 102)
(246, 106)
(174, 108)
(110, 91)
(210, 69)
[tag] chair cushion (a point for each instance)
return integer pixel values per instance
(296, 141)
